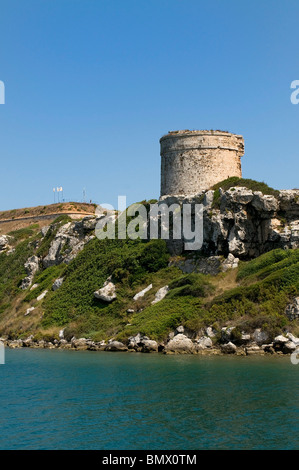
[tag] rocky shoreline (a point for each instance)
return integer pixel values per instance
(178, 342)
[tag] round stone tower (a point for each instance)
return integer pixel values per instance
(192, 161)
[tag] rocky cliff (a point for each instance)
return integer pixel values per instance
(243, 222)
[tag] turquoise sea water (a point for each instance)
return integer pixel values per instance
(52, 399)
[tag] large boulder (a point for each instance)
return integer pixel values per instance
(289, 202)
(180, 344)
(160, 294)
(260, 337)
(142, 292)
(280, 340)
(15, 344)
(289, 347)
(228, 348)
(32, 265)
(57, 283)
(292, 310)
(29, 310)
(142, 344)
(226, 333)
(115, 346)
(179, 330)
(210, 332)
(254, 348)
(264, 203)
(107, 293)
(230, 263)
(80, 344)
(286, 344)
(293, 338)
(280, 344)
(135, 341)
(42, 295)
(149, 345)
(61, 240)
(204, 343)
(4, 242)
(235, 196)
(28, 342)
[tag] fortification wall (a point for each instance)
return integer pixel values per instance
(193, 161)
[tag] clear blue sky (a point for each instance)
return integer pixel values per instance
(91, 86)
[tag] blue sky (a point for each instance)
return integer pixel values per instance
(91, 86)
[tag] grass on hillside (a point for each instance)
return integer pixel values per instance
(194, 300)
(234, 181)
(47, 210)
(12, 271)
(23, 233)
(253, 296)
(259, 304)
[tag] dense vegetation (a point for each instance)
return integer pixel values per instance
(234, 181)
(254, 295)
(11, 273)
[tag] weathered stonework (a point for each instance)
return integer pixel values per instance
(193, 161)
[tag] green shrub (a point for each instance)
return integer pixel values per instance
(195, 285)
(12, 271)
(23, 233)
(154, 256)
(62, 219)
(267, 262)
(158, 320)
(234, 181)
(129, 262)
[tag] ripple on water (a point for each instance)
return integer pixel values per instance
(53, 399)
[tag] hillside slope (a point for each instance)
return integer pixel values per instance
(48, 281)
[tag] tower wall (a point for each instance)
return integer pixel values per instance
(192, 161)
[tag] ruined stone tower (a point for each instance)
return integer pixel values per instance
(192, 161)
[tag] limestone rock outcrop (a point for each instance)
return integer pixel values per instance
(242, 223)
(4, 242)
(31, 267)
(69, 240)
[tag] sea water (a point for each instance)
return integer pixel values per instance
(55, 399)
